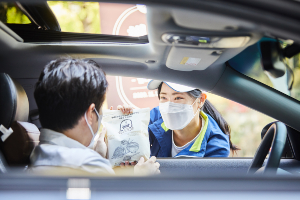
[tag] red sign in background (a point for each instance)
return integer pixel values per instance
(131, 91)
(129, 20)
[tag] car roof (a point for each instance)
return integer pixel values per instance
(158, 59)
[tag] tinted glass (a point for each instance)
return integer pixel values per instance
(249, 63)
(295, 63)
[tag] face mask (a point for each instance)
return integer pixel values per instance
(94, 134)
(176, 115)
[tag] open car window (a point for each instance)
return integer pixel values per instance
(100, 18)
(95, 30)
(245, 123)
(72, 22)
(10, 13)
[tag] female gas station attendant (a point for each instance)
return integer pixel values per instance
(185, 124)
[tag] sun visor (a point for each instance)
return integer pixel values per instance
(188, 59)
(209, 21)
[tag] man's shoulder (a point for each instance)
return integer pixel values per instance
(55, 155)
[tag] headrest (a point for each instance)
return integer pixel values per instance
(18, 146)
(14, 105)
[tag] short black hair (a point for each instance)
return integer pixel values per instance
(65, 90)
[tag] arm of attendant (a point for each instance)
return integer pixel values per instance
(218, 145)
(154, 116)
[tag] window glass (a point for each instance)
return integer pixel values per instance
(100, 18)
(294, 63)
(249, 63)
(280, 84)
(246, 124)
(11, 14)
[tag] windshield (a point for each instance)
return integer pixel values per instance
(250, 63)
(295, 65)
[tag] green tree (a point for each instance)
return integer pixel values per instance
(82, 17)
(11, 14)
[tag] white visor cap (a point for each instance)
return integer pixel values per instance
(154, 84)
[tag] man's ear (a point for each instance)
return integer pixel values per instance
(89, 113)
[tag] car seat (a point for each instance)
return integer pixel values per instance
(18, 137)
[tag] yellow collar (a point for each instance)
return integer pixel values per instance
(197, 144)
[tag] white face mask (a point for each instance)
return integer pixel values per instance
(94, 134)
(177, 115)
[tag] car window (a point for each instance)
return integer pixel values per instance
(100, 18)
(246, 124)
(11, 14)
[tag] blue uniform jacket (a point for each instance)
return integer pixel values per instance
(212, 142)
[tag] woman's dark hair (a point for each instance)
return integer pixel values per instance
(65, 90)
(213, 112)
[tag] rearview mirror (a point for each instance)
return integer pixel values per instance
(271, 55)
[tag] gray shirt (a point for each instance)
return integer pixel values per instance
(57, 150)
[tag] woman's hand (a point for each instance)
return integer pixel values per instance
(126, 109)
(101, 146)
(150, 167)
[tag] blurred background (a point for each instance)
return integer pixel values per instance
(130, 20)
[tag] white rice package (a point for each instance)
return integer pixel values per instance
(127, 135)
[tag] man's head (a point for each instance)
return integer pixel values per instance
(66, 90)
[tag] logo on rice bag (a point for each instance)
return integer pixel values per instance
(125, 126)
(127, 148)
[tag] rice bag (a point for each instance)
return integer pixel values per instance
(127, 135)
